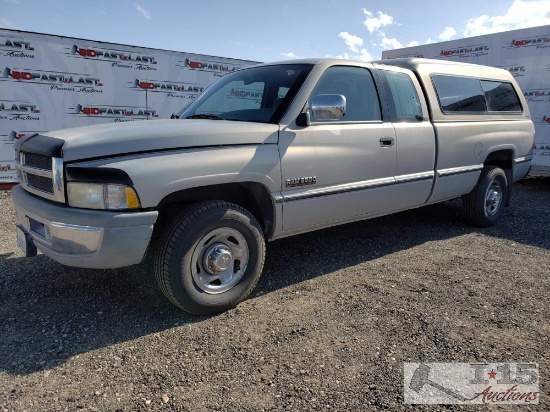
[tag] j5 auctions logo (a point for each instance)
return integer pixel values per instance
(476, 383)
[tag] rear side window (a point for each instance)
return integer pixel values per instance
(500, 96)
(459, 94)
(403, 99)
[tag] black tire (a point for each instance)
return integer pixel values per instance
(480, 205)
(182, 251)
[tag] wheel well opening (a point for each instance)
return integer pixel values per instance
(252, 196)
(505, 160)
(502, 158)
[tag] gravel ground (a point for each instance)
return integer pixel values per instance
(331, 322)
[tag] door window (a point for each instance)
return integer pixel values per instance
(357, 86)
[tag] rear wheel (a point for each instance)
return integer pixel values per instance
(485, 204)
(210, 257)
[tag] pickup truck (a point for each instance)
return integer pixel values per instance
(267, 152)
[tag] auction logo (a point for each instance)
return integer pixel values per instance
(118, 113)
(466, 52)
(71, 82)
(246, 94)
(172, 89)
(537, 95)
(18, 110)
(516, 71)
(117, 58)
(16, 47)
(219, 69)
(475, 383)
(538, 41)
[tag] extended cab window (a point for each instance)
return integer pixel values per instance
(459, 94)
(500, 96)
(357, 86)
(402, 96)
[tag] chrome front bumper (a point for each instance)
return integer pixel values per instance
(93, 239)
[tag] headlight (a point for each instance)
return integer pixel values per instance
(101, 196)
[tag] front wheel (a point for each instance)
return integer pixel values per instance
(210, 257)
(485, 204)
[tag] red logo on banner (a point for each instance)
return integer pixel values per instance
(166, 86)
(532, 41)
(82, 80)
(111, 55)
(467, 51)
(115, 111)
(207, 66)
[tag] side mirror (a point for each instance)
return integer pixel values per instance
(303, 119)
(328, 107)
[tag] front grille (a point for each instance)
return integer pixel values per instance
(44, 184)
(41, 175)
(37, 161)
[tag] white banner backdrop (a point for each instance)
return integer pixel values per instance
(525, 53)
(50, 82)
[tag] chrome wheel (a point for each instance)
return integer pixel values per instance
(493, 198)
(219, 260)
(484, 205)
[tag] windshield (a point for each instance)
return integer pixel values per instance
(259, 94)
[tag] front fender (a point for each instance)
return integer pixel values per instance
(159, 174)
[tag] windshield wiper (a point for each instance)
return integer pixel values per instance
(205, 116)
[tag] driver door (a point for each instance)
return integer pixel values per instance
(338, 170)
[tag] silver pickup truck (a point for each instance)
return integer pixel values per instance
(267, 152)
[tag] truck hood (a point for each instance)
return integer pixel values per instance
(142, 136)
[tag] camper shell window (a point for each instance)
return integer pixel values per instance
(475, 96)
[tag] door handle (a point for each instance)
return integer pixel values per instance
(387, 141)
